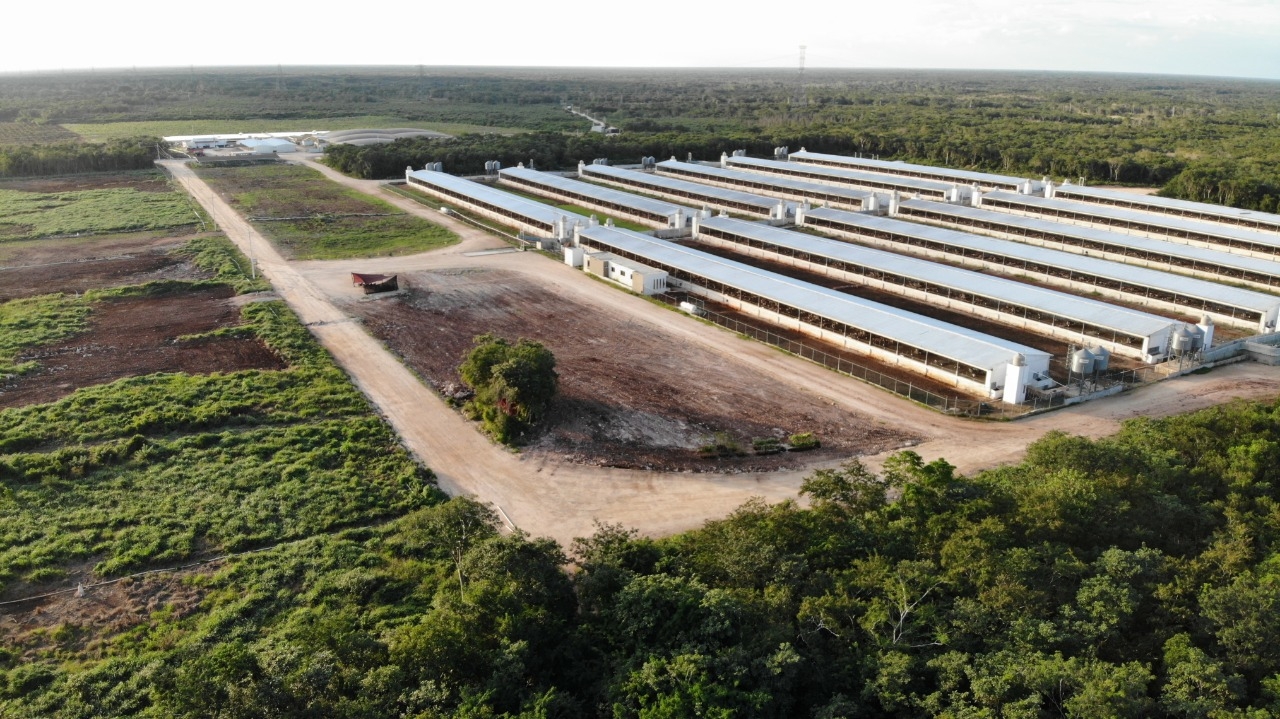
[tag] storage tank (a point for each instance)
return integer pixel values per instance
(1182, 341)
(1082, 362)
(1101, 358)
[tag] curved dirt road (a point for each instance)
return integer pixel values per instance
(562, 500)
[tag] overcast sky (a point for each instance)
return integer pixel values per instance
(1205, 37)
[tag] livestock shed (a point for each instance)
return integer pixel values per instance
(1202, 211)
(1044, 311)
(1139, 285)
(787, 188)
(372, 284)
(1146, 224)
(984, 180)
(268, 145)
(716, 198)
(654, 213)
(527, 215)
(1202, 262)
(873, 181)
(967, 360)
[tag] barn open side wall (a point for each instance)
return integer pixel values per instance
(936, 300)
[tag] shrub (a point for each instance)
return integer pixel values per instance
(803, 441)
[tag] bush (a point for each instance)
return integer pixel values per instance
(803, 441)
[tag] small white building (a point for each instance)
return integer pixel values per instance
(632, 275)
(203, 143)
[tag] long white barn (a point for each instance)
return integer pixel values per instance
(528, 216)
(970, 361)
(1152, 288)
(1051, 313)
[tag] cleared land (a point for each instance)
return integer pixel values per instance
(309, 217)
(630, 395)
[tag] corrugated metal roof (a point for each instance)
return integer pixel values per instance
(797, 186)
(1167, 222)
(603, 194)
(1193, 253)
(532, 209)
(1093, 266)
(1167, 204)
(887, 166)
(662, 182)
(836, 174)
(934, 336)
(1080, 309)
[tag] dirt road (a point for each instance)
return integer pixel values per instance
(561, 500)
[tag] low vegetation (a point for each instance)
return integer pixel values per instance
(1131, 576)
(32, 213)
(311, 217)
(28, 323)
(33, 133)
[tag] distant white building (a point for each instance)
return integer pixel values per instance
(268, 146)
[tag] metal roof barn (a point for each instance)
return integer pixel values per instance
(1194, 260)
(1205, 234)
(718, 198)
(973, 360)
(1045, 311)
(1203, 211)
(655, 213)
(529, 215)
(851, 178)
(984, 180)
(787, 188)
(1088, 274)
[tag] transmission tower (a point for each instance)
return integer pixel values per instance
(802, 96)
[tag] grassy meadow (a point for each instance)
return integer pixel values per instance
(338, 222)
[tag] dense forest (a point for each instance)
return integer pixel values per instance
(138, 153)
(1209, 139)
(1126, 577)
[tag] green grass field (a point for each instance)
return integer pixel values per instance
(85, 204)
(155, 468)
(28, 133)
(331, 230)
(100, 132)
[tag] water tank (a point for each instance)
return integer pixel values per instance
(1101, 358)
(1082, 362)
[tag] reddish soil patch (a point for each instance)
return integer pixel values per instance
(74, 265)
(630, 396)
(137, 336)
(82, 624)
(141, 181)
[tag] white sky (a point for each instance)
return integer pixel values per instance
(1205, 37)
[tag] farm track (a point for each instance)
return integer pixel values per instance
(561, 500)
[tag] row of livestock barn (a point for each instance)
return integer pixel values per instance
(869, 256)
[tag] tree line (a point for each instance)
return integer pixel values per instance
(136, 153)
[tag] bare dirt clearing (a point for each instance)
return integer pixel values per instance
(630, 395)
(134, 336)
(70, 265)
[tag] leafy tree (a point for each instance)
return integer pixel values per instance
(513, 383)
